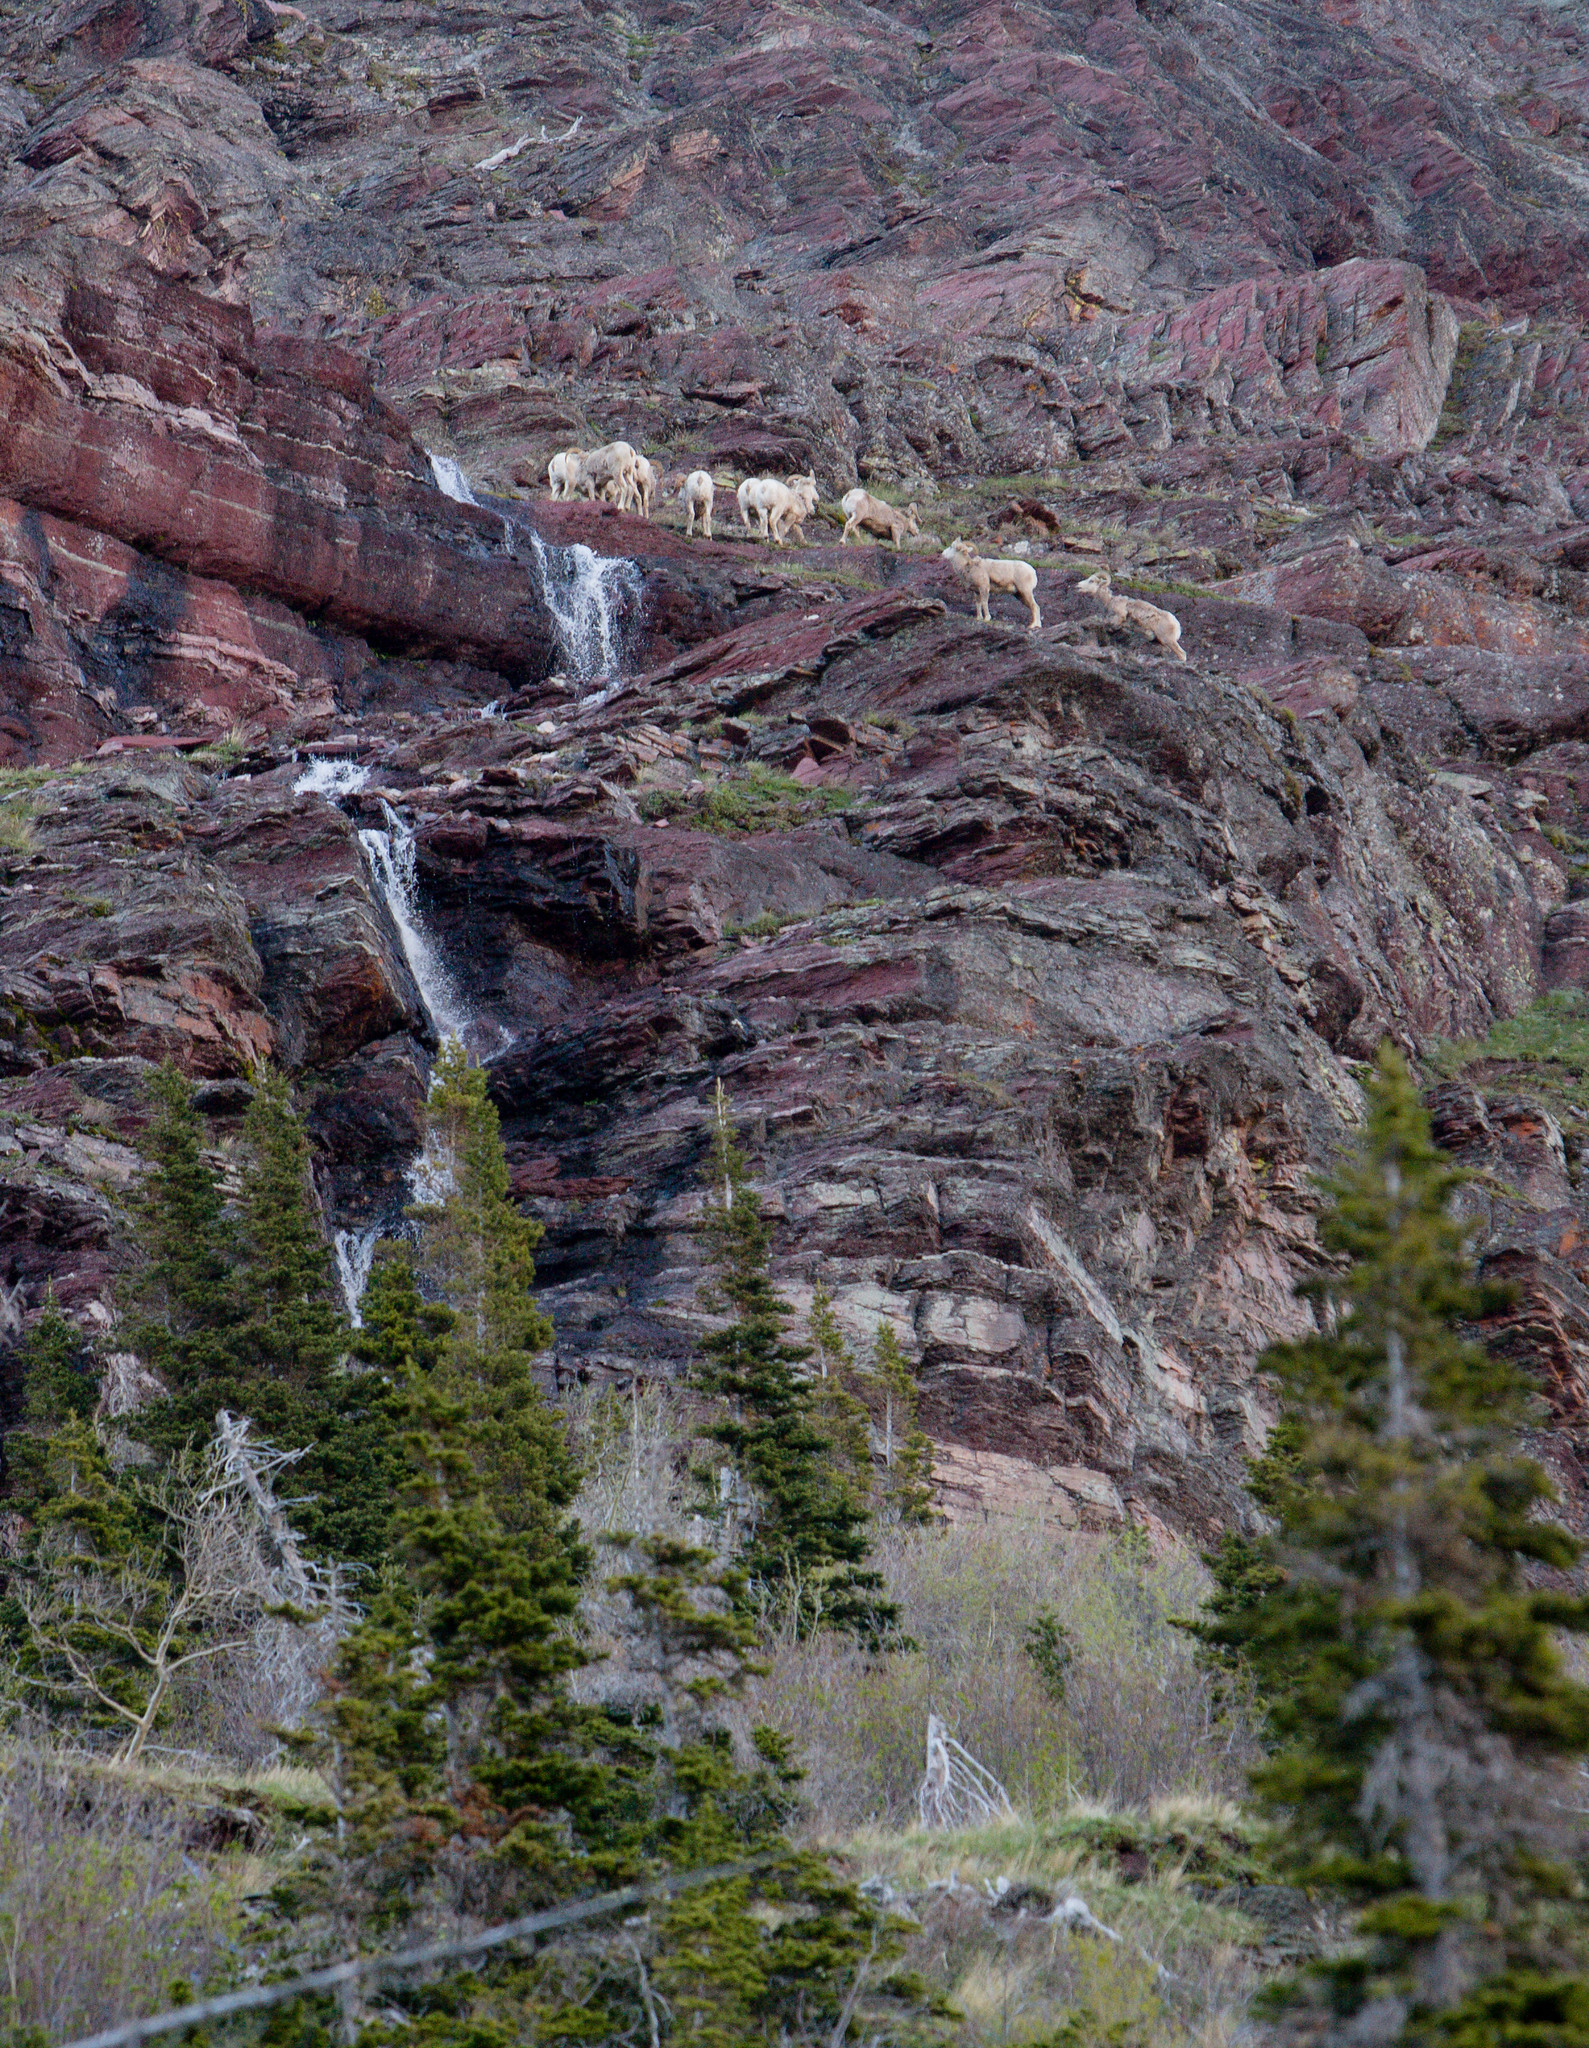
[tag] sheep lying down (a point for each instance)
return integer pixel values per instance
(1163, 626)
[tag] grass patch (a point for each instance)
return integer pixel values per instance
(1182, 1970)
(1548, 1042)
(18, 819)
(1136, 1720)
(765, 925)
(754, 799)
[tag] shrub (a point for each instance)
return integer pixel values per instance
(101, 1909)
(1138, 1719)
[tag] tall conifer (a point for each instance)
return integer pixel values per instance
(234, 1308)
(1396, 1623)
(806, 1539)
(477, 1252)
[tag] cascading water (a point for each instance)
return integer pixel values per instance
(355, 1254)
(585, 594)
(394, 866)
(450, 480)
(332, 779)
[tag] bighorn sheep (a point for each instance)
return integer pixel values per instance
(984, 574)
(562, 472)
(648, 481)
(1163, 626)
(780, 507)
(610, 469)
(862, 509)
(697, 493)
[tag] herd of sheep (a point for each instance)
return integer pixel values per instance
(774, 508)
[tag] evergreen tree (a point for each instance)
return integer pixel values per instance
(477, 1254)
(181, 1303)
(805, 1544)
(837, 1406)
(469, 1779)
(1422, 1716)
(235, 1309)
(58, 1388)
(401, 1332)
(907, 1448)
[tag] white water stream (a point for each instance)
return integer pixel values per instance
(584, 592)
(355, 1253)
(450, 480)
(390, 855)
(395, 869)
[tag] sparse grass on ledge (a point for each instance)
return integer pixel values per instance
(1543, 1051)
(755, 798)
(17, 821)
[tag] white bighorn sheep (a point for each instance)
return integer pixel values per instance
(984, 574)
(698, 492)
(562, 472)
(610, 472)
(780, 507)
(862, 509)
(1163, 626)
(648, 481)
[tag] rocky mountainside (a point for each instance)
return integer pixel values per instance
(1036, 965)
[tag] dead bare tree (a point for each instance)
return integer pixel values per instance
(116, 1627)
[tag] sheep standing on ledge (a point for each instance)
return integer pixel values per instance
(1164, 626)
(647, 482)
(698, 492)
(862, 509)
(562, 472)
(781, 508)
(984, 574)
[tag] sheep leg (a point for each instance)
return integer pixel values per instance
(1036, 615)
(706, 525)
(844, 537)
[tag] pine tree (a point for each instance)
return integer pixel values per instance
(58, 1388)
(400, 1331)
(836, 1404)
(1422, 1716)
(477, 1254)
(235, 1309)
(806, 1542)
(907, 1448)
(180, 1303)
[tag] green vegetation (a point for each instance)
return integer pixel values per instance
(754, 798)
(18, 819)
(521, 1646)
(1425, 1725)
(793, 1445)
(232, 1306)
(1544, 1049)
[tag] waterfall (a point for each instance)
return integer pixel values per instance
(585, 592)
(450, 480)
(394, 866)
(332, 779)
(394, 869)
(355, 1252)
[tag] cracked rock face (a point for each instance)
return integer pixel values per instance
(1037, 966)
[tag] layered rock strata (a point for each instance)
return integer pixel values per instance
(1038, 969)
